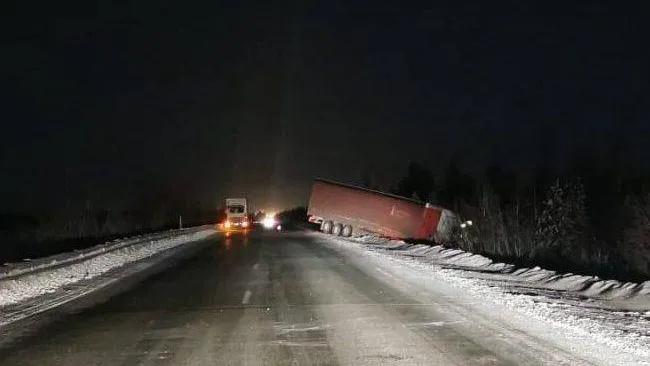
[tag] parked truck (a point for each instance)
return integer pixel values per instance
(346, 210)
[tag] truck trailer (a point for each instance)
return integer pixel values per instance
(346, 210)
(236, 215)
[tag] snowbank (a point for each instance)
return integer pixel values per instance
(439, 254)
(19, 285)
(30, 265)
(531, 278)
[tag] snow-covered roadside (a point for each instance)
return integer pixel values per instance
(602, 336)
(630, 295)
(31, 265)
(17, 289)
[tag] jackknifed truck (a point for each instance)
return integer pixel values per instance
(347, 210)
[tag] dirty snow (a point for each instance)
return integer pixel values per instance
(19, 288)
(606, 322)
(29, 265)
(635, 294)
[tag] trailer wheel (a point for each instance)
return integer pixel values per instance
(327, 227)
(347, 231)
(337, 229)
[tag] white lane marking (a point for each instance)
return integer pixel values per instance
(436, 324)
(256, 266)
(247, 296)
(300, 344)
(291, 328)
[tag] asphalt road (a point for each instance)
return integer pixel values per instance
(268, 299)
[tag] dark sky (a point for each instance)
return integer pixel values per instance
(104, 103)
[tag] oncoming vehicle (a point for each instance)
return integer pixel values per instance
(236, 215)
(270, 221)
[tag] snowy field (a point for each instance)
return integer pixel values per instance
(605, 322)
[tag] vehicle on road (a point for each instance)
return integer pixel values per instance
(346, 210)
(236, 215)
(271, 222)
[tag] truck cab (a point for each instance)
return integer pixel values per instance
(236, 215)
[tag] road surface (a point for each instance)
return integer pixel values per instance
(274, 299)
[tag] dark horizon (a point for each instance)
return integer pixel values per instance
(109, 105)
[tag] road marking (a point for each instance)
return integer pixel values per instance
(299, 343)
(256, 266)
(435, 324)
(247, 296)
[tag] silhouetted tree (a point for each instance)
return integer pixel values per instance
(562, 225)
(458, 188)
(452, 187)
(503, 184)
(635, 245)
(418, 183)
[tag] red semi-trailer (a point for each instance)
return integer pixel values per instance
(346, 210)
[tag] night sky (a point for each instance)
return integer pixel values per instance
(104, 103)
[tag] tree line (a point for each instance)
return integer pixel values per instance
(32, 235)
(591, 217)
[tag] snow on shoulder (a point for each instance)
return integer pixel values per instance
(535, 277)
(604, 321)
(17, 289)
